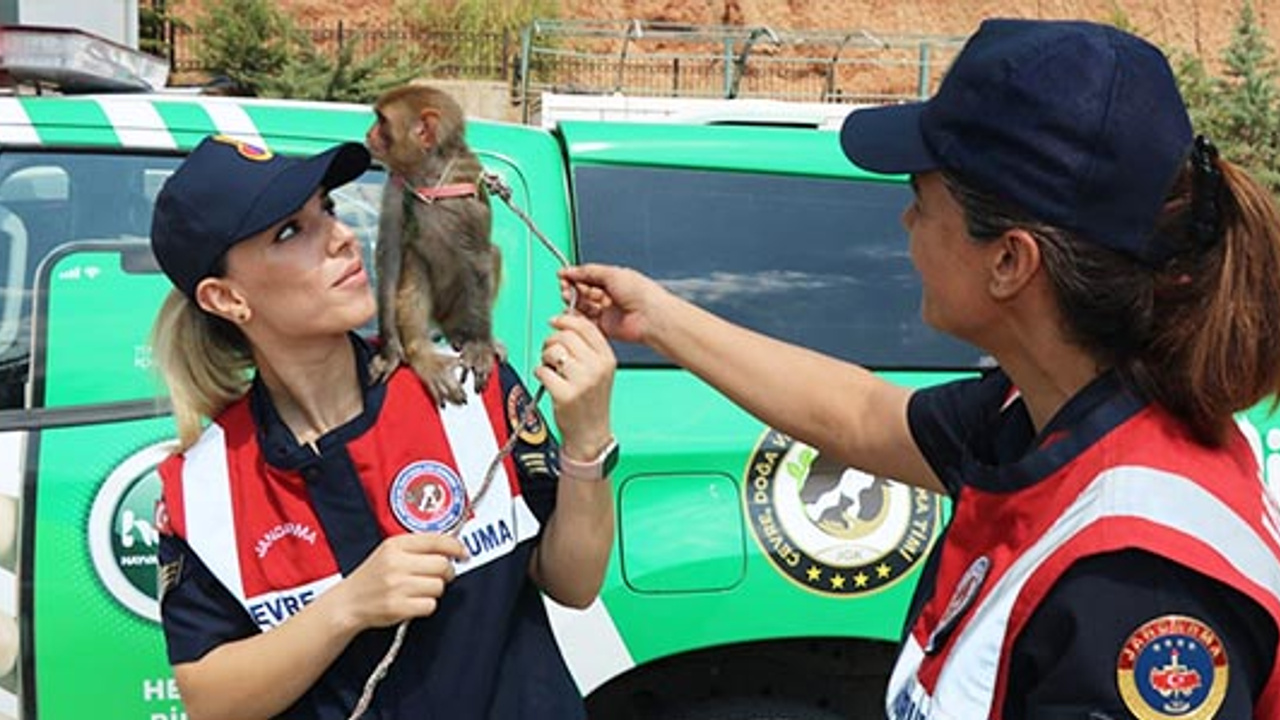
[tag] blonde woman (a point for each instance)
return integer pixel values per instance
(315, 510)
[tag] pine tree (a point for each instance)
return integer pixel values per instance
(1200, 91)
(1247, 130)
(246, 41)
(311, 75)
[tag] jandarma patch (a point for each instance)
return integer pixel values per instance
(532, 430)
(247, 151)
(1173, 667)
(428, 496)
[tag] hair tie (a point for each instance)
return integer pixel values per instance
(1206, 186)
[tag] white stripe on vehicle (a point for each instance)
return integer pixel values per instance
(15, 124)
(137, 123)
(231, 119)
(590, 642)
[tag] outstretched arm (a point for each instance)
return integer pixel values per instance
(838, 407)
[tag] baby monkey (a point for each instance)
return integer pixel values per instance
(434, 259)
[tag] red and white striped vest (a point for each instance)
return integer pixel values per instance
(1144, 485)
(253, 526)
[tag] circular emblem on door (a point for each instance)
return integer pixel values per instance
(833, 529)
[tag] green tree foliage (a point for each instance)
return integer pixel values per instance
(246, 41)
(475, 16)
(312, 75)
(259, 49)
(154, 20)
(1238, 110)
(474, 19)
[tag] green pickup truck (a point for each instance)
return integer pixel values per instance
(750, 576)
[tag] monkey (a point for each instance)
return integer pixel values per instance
(434, 257)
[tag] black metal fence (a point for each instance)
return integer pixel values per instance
(443, 53)
(653, 58)
(643, 58)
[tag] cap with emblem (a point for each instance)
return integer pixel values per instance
(1079, 124)
(228, 190)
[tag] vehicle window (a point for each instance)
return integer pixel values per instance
(56, 209)
(820, 262)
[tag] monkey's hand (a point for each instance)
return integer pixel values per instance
(388, 359)
(445, 386)
(477, 357)
(438, 372)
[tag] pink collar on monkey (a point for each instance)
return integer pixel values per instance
(431, 193)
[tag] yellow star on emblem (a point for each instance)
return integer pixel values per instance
(883, 570)
(837, 582)
(814, 574)
(860, 579)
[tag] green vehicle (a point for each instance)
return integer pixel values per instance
(750, 576)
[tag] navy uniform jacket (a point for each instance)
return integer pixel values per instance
(1068, 660)
(254, 526)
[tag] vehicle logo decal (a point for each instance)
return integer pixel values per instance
(831, 529)
(122, 536)
(428, 496)
(1174, 666)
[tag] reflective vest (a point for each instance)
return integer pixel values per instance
(255, 528)
(1142, 486)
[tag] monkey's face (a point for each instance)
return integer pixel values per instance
(378, 138)
(392, 139)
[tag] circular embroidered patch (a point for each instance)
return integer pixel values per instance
(1173, 667)
(428, 496)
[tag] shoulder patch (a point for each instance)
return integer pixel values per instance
(528, 425)
(167, 577)
(162, 524)
(1173, 666)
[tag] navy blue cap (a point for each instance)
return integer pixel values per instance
(228, 190)
(1081, 125)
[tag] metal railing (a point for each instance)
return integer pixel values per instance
(443, 53)
(636, 57)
